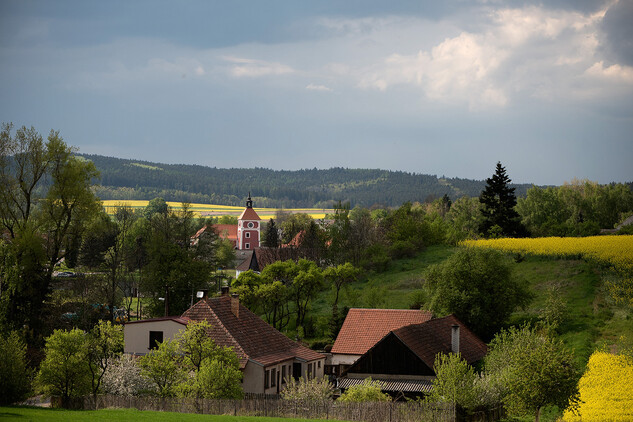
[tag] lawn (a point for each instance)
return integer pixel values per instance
(24, 414)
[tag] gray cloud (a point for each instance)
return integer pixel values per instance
(618, 29)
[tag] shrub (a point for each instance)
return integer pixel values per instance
(314, 389)
(64, 372)
(367, 391)
(124, 378)
(14, 373)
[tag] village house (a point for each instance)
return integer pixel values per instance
(267, 357)
(402, 361)
(363, 328)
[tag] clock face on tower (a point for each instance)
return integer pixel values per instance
(250, 225)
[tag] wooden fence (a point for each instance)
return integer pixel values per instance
(361, 412)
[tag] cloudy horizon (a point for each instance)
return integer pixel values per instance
(445, 89)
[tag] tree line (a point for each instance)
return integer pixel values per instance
(129, 179)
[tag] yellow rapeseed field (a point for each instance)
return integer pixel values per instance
(214, 210)
(605, 390)
(614, 250)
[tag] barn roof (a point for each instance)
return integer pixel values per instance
(363, 328)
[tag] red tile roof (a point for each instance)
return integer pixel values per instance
(363, 328)
(428, 339)
(250, 336)
(249, 214)
(226, 231)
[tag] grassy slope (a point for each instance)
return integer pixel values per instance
(590, 317)
(121, 415)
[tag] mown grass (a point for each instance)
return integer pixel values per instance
(24, 414)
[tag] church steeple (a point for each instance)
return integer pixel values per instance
(248, 227)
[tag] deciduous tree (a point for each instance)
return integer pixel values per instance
(534, 369)
(479, 287)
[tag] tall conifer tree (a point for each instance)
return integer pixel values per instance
(498, 201)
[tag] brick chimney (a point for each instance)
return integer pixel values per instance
(455, 338)
(235, 305)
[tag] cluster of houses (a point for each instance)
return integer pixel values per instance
(395, 347)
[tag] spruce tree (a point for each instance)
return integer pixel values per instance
(271, 235)
(498, 202)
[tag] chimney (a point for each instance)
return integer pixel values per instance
(235, 305)
(455, 338)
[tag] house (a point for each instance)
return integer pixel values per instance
(402, 361)
(363, 328)
(267, 357)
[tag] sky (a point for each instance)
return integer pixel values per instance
(446, 88)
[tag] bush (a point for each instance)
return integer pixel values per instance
(14, 373)
(367, 391)
(64, 372)
(124, 378)
(314, 389)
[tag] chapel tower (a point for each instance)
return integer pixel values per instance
(248, 227)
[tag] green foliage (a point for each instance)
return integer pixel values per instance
(217, 380)
(579, 208)
(16, 376)
(214, 370)
(163, 367)
(368, 391)
(276, 189)
(103, 343)
(454, 382)
(45, 202)
(308, 389)
(64, 372)
(534, 370)
(478, 286)
(271, 235)
(498, 200)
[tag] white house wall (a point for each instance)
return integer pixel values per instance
(137, 334)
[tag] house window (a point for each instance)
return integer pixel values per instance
(267, 379)
(273, 377)
(309, 370)
(283, 374)
(247, 234)
(247, 246)
(319, 364)
(155, 337)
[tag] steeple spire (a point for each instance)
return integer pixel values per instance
(249, 201)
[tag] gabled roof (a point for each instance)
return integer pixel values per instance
(249, 336)
(428, 339)
(363, 328)
(176, 319)
(224, 231)
(249, 214)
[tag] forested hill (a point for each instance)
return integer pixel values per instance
(133, 179)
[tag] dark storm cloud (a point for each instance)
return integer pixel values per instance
(618, 30)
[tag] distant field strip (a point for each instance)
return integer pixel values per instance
(216, 210)
(613, 250)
